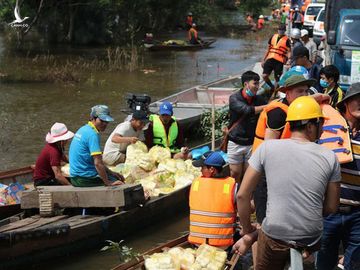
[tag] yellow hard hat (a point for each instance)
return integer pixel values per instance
(304, 108)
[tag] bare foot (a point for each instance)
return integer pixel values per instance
(245, 242)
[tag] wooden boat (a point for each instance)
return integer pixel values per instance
(22, 176)
(177, 47)
(26, 238)
(181, 241)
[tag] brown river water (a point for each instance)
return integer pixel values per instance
(28, 109)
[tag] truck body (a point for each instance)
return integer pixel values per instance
(342, 25)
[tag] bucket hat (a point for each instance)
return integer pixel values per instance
(102, 112)
(58, 132)
(353, 90)
(296, 80)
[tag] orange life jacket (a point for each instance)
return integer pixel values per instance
(189, 20)
(262, 124)
(193, 34)
(278, 49)
(212, 211)
(335, 135)
(260, 23)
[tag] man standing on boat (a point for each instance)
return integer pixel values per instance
(212, 204)
(245, 107)
(48, 164)
(299, 195)
(344, 226)
(189, 21)
(193, 36)
(164, 130)
(86, 164)
(126, 133)
(278, 53)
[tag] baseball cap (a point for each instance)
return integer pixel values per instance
(210, 158)
(304, 32)
(166, 108)
(200, 161)
(102, 112)
(140, 115)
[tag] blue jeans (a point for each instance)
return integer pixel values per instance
(345, 228)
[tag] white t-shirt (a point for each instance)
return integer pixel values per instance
(113, 150)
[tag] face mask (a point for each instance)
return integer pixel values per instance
(324, 83)
(249, 93)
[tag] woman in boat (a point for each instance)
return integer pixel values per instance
(48, 164)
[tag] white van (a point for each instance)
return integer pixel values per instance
(319, 30)
(310, 16)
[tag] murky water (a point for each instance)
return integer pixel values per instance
(29, 109)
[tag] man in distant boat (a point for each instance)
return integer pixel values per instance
(189, 21)
(299, 195)
(48, 164)
(193, 35)
(165, 131)
(244, 107)
(86, 164)
(212, 204)
(126, 133)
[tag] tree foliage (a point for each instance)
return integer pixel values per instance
(255, 6)
(105, 21)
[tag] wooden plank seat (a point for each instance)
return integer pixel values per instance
(126, 196)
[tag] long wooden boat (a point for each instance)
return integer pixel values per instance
(33, 238)
(177, 47)
(22, 176)
(181, 241)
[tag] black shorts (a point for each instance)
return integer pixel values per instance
(273, 65)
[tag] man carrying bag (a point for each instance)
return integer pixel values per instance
(245, 107)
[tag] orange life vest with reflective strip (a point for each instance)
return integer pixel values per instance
(278, 49)
(212, 211)
(335, 134)
(262, 124)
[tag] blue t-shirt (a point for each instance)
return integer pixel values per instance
(84, 145)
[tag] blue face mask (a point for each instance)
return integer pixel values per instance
(249, 93)
(324, 83)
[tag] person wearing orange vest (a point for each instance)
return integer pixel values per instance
(189, 21)
(193, 36)
(276, 56)
(260, 22)
(272, 125)
(212, 204)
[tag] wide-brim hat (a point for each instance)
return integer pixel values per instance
(58, 132)
(296, 80)
(353, 90)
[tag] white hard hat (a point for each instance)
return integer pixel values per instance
(304, 32)
(295, 33)
(261, 16)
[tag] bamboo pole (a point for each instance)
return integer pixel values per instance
(213, 123)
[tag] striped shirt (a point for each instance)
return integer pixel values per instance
(350, 173)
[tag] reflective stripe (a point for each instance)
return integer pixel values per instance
(211, 214)
(212, 225)
(333, 128)
(339, 140)
(211, 236)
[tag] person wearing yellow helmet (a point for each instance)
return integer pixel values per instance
(302, 180)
